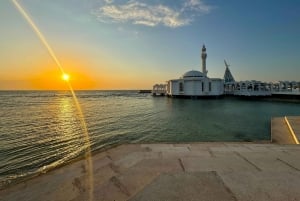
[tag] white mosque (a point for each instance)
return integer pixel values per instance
(196, 84)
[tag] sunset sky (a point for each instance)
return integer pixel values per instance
(118, 44)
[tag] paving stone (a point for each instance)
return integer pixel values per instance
(158, 147)
(264, 185)
(219, 164)
(204, 186)
(266, 161)
(119, 152)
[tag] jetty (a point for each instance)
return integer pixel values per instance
(145, 91)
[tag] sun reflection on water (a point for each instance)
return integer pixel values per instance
(66, 116)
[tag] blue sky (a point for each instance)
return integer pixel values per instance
(117, 44)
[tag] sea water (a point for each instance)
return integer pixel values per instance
(42, 129)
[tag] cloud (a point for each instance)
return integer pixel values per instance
(137, 12)
(197, 5)
(108, 1)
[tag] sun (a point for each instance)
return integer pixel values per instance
(65, 77)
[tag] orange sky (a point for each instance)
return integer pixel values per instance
(43, 74)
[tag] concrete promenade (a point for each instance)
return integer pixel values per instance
(175, 172)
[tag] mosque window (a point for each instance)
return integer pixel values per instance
(209, 86)
(202, 84)
(180, 86)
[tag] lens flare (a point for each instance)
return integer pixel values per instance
(66, 78)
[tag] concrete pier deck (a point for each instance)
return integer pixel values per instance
(162, 172)
(280, 131)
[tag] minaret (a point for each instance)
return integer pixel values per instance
(204, 55)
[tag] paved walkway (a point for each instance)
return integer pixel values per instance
(197, 171)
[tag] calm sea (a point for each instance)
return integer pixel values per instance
(42, 129)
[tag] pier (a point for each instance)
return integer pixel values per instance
(285, 130)
(145, 91)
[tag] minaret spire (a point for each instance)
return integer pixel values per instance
(204, 56)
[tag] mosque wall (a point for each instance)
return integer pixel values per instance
(195, 87)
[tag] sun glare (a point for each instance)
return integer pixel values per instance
(65, 77)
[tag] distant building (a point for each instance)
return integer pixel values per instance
(195, 83)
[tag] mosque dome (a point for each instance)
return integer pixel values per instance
(193, 73)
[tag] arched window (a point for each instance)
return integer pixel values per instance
(181, 86)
